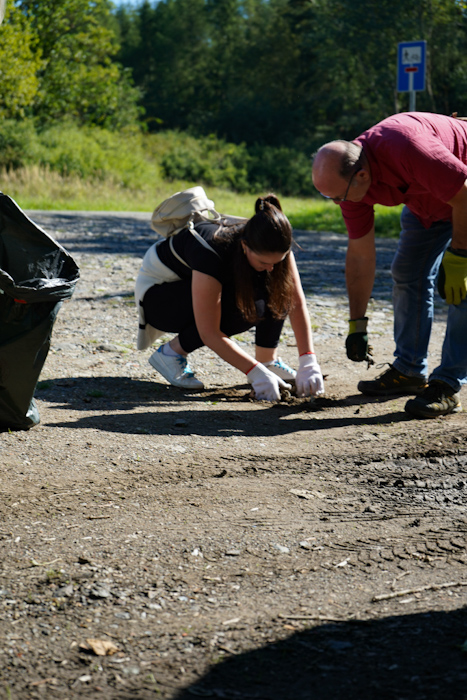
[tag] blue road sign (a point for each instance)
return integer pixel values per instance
(411, 66)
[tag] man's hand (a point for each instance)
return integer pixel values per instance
(452, 277)
(356, 342)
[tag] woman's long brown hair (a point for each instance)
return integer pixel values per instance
(268, 231)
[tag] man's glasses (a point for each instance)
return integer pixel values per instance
(338, 200)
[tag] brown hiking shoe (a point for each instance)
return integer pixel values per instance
(438, 399)
(392, 382)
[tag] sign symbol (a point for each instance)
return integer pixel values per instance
(411, 66)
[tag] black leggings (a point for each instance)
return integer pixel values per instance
(169, 307)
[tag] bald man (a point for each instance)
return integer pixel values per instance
(420, 160)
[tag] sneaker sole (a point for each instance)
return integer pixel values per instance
(174, 382)
(419, 412)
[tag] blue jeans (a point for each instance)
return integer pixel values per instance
(414, 272)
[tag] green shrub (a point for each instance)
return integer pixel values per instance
(212, 161)
(18, 143)
(135, 160)
(93, 152)
(280, 169)
(207, 160)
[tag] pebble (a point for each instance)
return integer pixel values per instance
(66, 591)
(85, 679)
(280, 548)
(130, 670)
(99, 592)
(108, 347)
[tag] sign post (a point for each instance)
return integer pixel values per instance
(411, 69)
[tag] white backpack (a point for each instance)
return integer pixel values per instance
(183, 210)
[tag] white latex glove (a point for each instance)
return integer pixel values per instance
(309, 380)
(265, 383)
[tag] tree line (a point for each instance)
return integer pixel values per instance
(288, 72)
(280, 74)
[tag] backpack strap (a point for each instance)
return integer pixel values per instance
(200, 239)
(174, 253)
(190, 226)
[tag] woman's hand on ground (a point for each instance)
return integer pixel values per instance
(266, 384)
(309, 379)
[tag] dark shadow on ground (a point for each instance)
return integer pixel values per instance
(112, 399)
(98, 232)
(219, 424)
(413, 657)
(321, 262)
(320, 255)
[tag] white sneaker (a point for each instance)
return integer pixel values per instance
(175, 369)
(282, 370)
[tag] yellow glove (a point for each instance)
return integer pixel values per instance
(452, 278)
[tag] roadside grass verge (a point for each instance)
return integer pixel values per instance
(41, 188)
(321, 215)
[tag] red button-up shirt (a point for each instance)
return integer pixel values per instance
(418, 159)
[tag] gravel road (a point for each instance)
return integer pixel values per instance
(216, 546)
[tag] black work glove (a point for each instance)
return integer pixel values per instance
(356, 343)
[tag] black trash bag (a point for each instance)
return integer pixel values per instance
(36, 275)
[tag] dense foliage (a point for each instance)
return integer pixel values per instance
(132, 158)
(244, 90)
(58, 60)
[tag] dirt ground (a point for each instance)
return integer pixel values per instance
(156, 543)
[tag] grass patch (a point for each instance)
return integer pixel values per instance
(320, 215)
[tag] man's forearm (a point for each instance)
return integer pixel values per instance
(359, 292)
(360, 274)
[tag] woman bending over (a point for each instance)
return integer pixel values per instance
(210, 282)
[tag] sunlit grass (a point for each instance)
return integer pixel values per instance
(35, 188)
(321, 215)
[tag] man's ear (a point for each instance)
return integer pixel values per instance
(363, 176)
